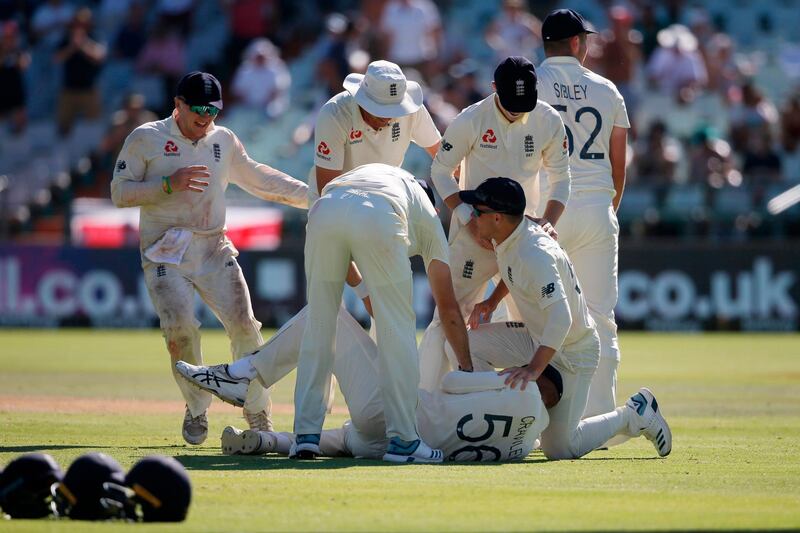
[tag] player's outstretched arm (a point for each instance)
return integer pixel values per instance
(452, 322)
(265, 182)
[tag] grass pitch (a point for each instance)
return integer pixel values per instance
(733, 402)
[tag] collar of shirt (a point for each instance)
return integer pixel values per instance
(175, 131)
(555, 60)
(502, 119)
(358, 119)
(510, 242)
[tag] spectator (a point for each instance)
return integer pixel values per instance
(515, 32)
(620, 54)
(262, 80)
(50, 22)
(177, 14)
(710, 160)
(164, 55)
(649, 25)
(755, 115)
(790, 138)
(722, 70)
(413, 32)
(132, 35)
(341, 53)
(82, 58)
(249, 20)
(762, 164)
(657, 156)
(676, 64)
(132, 115)
(13, 62)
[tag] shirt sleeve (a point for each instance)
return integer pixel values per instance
(424, 133)
(543, 282)
(432, 243)
(264, 181)
(621, 112)
(555, 158)
(128, 188)
(456, 144)
(329, 140)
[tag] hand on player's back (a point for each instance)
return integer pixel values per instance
(547, 227)
(521, 375)
(191, 178)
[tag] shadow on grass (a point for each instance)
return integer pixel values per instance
(274, 462)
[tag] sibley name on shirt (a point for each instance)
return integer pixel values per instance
(571, 92)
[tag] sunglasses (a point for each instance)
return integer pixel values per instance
(204, 110)
(477, 212)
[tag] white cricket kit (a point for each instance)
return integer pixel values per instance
(344, 141)
(538, 275)
(183, 242)
(591, 106)
(378, 216)
(477, 418)
(490, 146)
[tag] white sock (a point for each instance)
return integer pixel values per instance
(596, 430)
(243, 368)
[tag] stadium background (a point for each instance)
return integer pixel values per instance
(709, 147)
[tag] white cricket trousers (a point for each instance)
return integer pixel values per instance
(507, 344)
(471, 267)
(209, 267)
(589, 232)
(344, 224)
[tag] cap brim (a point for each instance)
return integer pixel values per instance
(411, 102)
(469, 197)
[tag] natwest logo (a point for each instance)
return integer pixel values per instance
(489, 139)
(171, 149)
(323, 150)
(355, 134)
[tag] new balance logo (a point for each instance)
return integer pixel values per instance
(548, 290)
(446, 146)
(469, 267)
(161, 271)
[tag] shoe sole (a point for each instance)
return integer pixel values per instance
(195, 441)
(236, 402)
(408, 459)
(254, 441)
(232, 442)
(305, 451)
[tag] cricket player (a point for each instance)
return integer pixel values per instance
(509, 133)
(597, 125)
(373, 121)
(378, 216)
(556, 328)
(476, 417)
(177, 170)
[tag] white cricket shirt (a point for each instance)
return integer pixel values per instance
(538, 274)
(344, 141)
(492, 146)
(424, 230)
(492, 425)
(157, 149)
(590, 106)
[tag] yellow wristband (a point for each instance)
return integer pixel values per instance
(165, 184)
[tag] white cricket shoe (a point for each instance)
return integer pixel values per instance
(647, 420)
(258, 442)
(216, 380)
(231, 441)
(259, 421)
(416, 452)
(195, 428)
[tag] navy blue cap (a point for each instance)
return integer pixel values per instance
(502, 195)
(25, 485)
(80, 493)
(162, 489)
(563, 24)
(200, 88)
(515, 81)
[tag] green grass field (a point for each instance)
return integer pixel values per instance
(733, 402)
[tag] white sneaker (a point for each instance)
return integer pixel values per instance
(647, 420)
(216, 380)
(258, 442)
(421, 453)
(195, 428)
(259, 421)
(231, 441)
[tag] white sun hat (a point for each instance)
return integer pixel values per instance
(384, 91)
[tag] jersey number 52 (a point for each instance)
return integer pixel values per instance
(584, 153)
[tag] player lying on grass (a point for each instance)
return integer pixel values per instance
(475, 418)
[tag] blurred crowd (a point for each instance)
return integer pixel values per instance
(712, 90)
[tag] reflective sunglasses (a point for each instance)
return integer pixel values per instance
(204, 110)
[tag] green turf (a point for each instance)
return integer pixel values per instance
(733, 402)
